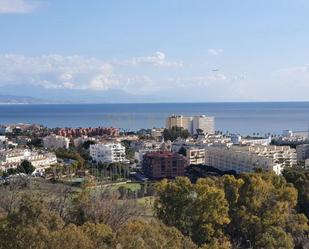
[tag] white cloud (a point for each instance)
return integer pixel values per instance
(215, 51)
(156, 59)
(57, 71)
(17, 6)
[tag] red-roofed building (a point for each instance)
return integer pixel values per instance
(164, 164)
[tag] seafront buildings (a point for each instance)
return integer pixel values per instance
(248, 158)
(109, 153)
(192, 124)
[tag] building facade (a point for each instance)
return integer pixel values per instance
(56, 142)
(249, 158)
(13, 158)
(192, 124)
(302, 151)
(163, 164)
(110, 153)
(195, 156)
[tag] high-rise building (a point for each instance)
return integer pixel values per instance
(203, 123)
(179, 121)
(192, 124)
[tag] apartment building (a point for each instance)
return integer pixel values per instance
(195, 156)
(56, 142)
(302, 151)
(179, 121)
(13, 157)
(247, 158)
(192, 124)
(110, 153)
(164, 164)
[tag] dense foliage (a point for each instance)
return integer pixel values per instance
(300, 180)
(258, 210)
(174, 133)
(254, 210)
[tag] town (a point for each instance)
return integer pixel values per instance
(107, 155)
(103, 183)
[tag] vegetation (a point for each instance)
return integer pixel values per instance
(300, 180)
(259, 210)
(174, 133)
(25, 167)
(82, 220)
(255, 209)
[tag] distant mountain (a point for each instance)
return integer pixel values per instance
(39, 94)
(11, 99)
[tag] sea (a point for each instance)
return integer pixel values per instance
(242, 118)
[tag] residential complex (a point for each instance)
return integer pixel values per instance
(164, 164)
(40, 160)
(96, 131)
(302, 151)
(110, 153)
(247, 158)
(239, 140)
(195, 156)
(192, 124)
(56, 142)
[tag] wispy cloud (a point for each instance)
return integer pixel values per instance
(215, 51)
(157, 59)
(204, 80)
(17, 6)
(294, 70)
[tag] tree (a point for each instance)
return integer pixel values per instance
(264, 210)
(25, 167)
(300, 179)
(174, 133)
(87, 144)
(151, 234)
(182, 151)
(197, 210)
(199, 132)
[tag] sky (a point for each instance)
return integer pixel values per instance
(155, 51)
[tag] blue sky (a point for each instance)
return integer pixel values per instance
(161, 50)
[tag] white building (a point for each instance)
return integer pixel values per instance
(248, 158)
(204, 123)
(13, 157)
(196, 156)
(110, 153)
(156, 132)
(192, 124)
(78, 142)
(238, 140)
(56, 142)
